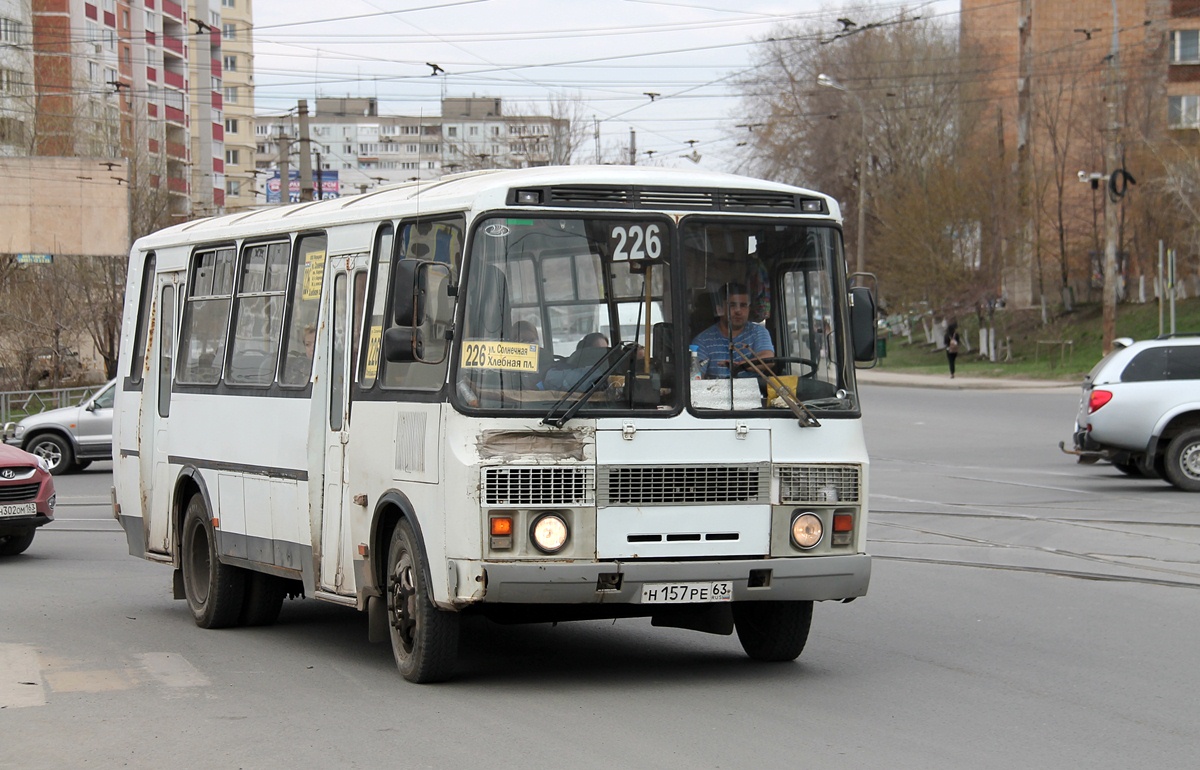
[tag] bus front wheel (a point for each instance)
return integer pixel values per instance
(214, 591)
(424, 638)
(772, 631)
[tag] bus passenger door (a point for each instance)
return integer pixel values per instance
(334, 558)
(155, 471)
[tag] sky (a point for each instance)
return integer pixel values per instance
(605, 56)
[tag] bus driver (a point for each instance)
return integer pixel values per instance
(732, 332)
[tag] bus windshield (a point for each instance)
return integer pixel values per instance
(601, 313)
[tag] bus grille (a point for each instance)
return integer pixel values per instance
(18, 493)
(683, 485)
(515, 487)
(818, 483)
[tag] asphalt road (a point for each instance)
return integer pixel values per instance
(1024, 611)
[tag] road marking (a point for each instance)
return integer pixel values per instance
(20, 677)
(172, 669)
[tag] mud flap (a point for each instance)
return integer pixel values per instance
(377, 619)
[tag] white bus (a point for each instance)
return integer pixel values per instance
(387, 402)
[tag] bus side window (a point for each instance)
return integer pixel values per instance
(258, 315)
(308, 275)
(145, 310)
(206, 317)
(379, 288)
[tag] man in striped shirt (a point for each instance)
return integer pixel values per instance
(732, 332)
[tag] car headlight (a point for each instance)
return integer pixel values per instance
(549, 532)
(806, 530)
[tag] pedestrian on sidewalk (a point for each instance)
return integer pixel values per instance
(952, 341)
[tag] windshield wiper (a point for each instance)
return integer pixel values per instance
(625, 351)
(764, 373)
(843, 400)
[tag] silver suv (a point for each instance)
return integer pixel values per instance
(1141, 410)
(68, 439)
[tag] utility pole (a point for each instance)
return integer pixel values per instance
(1024, 166)
(307, 193)
(285, 184)
(1111, 161)
(632, 147)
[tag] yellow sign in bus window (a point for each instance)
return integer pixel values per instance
(509, 356)
(373, 344)
(314, 274)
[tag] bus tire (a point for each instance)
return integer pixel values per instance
(424, 638)
(214, 591)
(263, 601)
(773, 632)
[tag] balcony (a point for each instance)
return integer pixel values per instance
(151, 38)
(176, 150)
(218, 132)
(175, 80)
(218, 102)
(172, 9)
(152, 110)
(176, 115)
(153, 144)
(177, 185)
(173, 44)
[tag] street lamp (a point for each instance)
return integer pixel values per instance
(828, 82)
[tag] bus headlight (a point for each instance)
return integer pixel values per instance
(806, 530)
(549, 532)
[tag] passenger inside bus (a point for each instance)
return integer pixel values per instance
(569, 373)
(733, 337)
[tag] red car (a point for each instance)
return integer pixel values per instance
(26, 498)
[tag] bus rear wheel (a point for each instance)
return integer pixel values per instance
(214, 591)
(424, 638)
(774, 632)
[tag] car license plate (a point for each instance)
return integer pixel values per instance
(687, 593)
(21, 509)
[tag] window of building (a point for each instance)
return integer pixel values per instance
(368, 149)
(231, 125)
(1185, 46)
(229, 31)
(262, 129)
(1183, 112)
(110, 39)
(229, 63)
(229, 3)
(452, 131)
(474, 130)
(150, 21)
(110, 6)
(10, 82)
(233, 188)
(233, 157)
(495, 130)
(412, 149)
(10, 31)
(231, 94)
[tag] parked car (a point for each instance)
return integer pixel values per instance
(68, 439)
(1141, 410)
(26, 498)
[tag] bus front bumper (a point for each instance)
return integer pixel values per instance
(817, 578)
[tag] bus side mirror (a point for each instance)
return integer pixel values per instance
(422, 311)
(408, 292)
(862, 324)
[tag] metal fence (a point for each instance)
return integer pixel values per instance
(15, 404)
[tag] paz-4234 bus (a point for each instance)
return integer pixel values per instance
(535, 395)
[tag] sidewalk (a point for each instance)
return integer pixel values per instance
(881, 376)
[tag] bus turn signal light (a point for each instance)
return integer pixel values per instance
(843, 529)
(501, 529)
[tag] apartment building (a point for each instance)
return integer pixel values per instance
(137, 79)
(16, 77)
(237, 92)
(349, 136)
(1048, 70)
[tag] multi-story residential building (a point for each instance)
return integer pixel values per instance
(130, 78)
(237, 82)
(1051, 77)
(366, 149)
(16, 77)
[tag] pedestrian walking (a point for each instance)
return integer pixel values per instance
(953, 341)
